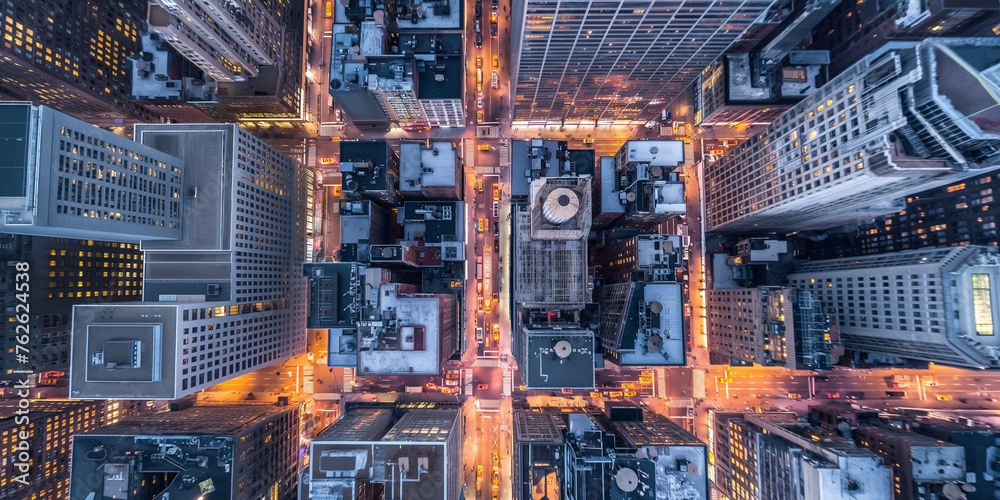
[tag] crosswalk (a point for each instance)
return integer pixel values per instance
(492, 405)
(679, 403)
(348, 379)
(470, 154)
(468, 382)
(307, 379)
(487, 362)
(504, 155)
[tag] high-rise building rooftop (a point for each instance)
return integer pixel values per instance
(223, 300)
(245, 451)
(65, 178)
(909, 117)
(577, 61)
(374, 451)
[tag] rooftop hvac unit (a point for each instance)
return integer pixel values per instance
(561, 205)
(213, 290)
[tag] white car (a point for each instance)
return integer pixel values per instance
(479, 102)
(496, 80)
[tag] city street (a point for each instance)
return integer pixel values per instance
(486, 376)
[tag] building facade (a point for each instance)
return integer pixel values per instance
(774, 456)
(50, 427)
(853, 30)
(948, 314)
(578, 62)
(895, 122)
(225, 299)
(72, 56)
(226, 42)
(962, 213)
(771, 326)
(71, 272)
(69, 179)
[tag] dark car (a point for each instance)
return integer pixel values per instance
(479, 10)
(855, 395)
(479, 40)
(496, 229)
(822, 378)
(496, 246)
(895, 394)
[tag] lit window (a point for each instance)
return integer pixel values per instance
(982, 304)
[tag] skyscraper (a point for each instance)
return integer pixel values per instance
(251, 49)
(961, 213)
(932, 304)
(225, 299)
(227, 41)
(774, 456)
(552, 284)
(909, 117)
(246, 451)
(64, 272)
(50, 427)
(577, 61)
(72, 56)
(65, 178)
(771, 326)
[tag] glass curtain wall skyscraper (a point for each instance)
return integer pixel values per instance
(577, 61)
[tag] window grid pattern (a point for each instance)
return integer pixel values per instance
(617, 61)
(905, 304)
(104, 176)
(84, 44)
(835, 157)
